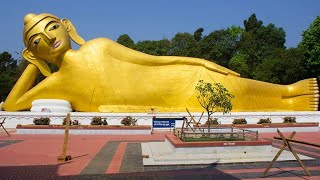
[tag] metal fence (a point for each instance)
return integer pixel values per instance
(216, 133)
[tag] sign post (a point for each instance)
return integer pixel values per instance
(63, 157)
(163, 123)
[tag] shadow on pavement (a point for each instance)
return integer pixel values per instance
(44, 172)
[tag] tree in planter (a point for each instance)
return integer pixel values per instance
(74, 122)
(129, 121)
(65, 121)
(41, 121)
(213, 98)
(212, 121)
(289, 120)
(262, 121)
(97, 120)
(239, 121)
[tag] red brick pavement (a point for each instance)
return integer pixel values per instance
(115, 164)
(35, 150)
(44, 149)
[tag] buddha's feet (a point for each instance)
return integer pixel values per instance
(303, 95)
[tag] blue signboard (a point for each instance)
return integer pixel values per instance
(164, 122)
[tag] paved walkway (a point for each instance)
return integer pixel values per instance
(119, 157)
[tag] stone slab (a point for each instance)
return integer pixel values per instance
(160, 154)
(175, 152)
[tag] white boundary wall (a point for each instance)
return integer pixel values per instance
(14, 118)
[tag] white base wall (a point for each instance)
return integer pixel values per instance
(84, 131)
(24, 118)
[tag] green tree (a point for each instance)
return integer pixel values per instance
(213, 98)
(252, 24)
(9, 73)
(259, 41)
(183, 44)
(198, 34)
(311, 44)
(282, 67)
(160, 48)
(219, 46)
(239, 64)
(126, 40)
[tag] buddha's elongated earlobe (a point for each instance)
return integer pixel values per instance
(72, 32)
(41, 64)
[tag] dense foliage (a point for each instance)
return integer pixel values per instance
(311, 45)
(255, 51)
(10, 71)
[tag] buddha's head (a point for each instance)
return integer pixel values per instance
(47, 38)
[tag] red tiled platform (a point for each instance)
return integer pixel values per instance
(176, 142)
(118, 127)
(267, 125)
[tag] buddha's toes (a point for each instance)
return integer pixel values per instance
(303, 87)
(303, 93)
(313, 86)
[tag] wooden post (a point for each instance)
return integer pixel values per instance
(63, 157)
(182, 128)
(277, 155)
(191, 120)
(300, 142)
(1, 125)
(286, 144)
(294, 153)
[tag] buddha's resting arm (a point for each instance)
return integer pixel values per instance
(23, 85)
(125, 54)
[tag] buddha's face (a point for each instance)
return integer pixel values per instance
(48, 40)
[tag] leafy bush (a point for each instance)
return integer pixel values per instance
(268, 120)
(74, 122)
(129, 121)
(213, 121)
(41, 121)
(65, 121)
(239, 121)
(104, 122)
(289, 120)
(97, 120)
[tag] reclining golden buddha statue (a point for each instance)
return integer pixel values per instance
(105, 76)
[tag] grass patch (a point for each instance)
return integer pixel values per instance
(204, 139)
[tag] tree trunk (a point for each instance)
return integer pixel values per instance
(209, 121)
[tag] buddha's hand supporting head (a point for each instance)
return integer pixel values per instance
(47, 38)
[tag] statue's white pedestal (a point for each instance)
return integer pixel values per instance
(51, 105)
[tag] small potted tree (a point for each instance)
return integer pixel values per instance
(213, 98)
(129, 121)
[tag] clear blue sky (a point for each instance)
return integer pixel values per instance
(156, 19)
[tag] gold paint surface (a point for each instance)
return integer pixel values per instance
(105, 76)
